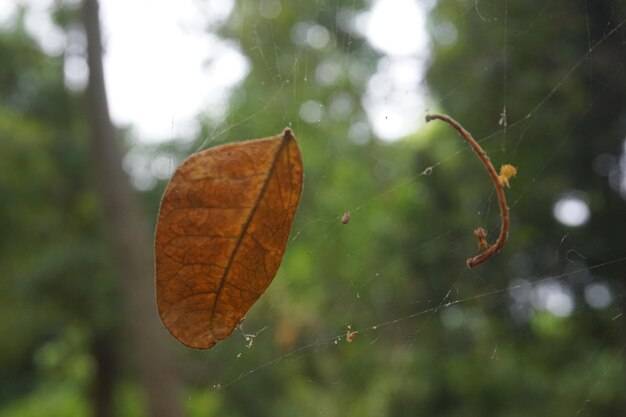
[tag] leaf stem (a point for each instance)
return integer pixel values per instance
(504, 208)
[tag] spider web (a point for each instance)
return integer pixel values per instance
(368, 326)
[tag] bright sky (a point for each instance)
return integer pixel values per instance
(394, 101)
(162, 75)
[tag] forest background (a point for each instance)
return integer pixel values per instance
(538, 330)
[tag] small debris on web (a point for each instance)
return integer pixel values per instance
(428, 171)
(502, 121)
(249, 337)
(250, 340)
(350, 334)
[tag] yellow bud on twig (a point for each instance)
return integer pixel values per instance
(507, 171)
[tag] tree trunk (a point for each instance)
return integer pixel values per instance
(103, 353)
(129, 239)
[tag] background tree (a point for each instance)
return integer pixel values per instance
(62, 295)
(130, 242)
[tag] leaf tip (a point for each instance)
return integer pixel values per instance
(288, 134)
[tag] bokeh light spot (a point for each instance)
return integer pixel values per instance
(572, 210)
(598, 295)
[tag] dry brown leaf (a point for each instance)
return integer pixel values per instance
(221, 233)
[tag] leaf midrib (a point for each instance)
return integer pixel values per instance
(245, 227)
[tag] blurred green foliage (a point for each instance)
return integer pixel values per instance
(433, 337)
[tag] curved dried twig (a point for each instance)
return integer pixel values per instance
(499, 181)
